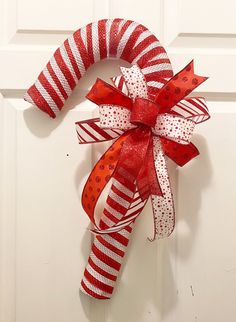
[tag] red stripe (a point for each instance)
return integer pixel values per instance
(50, 90)
(106, 259)
(109, 216)
(117, 236)
(186, 108)
(131, 42)
(158, 62)
(39, 101)
(82, 49)
(121, 194)
(141, 46)
(90, 42)
(115, 36)
(102, 286)
(100, 131)
(121, 83)
(102, 38)
(121, 239)
(93, 294)
(101, 271)
(72, 59)
(149, 55)
(64, 68)
(110, 246)
(128, 228)
(158, 75)
(113, 31)
(89, 133)
(81, 139)
(202, 101)
(193, 102)
(56, 80)
(128, 185)
(115, 205)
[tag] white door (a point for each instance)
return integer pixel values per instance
(44, 242)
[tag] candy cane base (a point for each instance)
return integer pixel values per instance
(104, 263)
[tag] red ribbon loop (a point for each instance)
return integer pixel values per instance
(144, 111)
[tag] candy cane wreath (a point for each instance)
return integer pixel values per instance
(148, 114)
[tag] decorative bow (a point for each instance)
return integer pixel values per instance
(148, 129)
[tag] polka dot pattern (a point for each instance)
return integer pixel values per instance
(135, 82)
(99, 177)
(174, 128)
(115, 117)
(179, 86)
(163, 206)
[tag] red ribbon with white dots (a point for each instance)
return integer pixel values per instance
(146, 130)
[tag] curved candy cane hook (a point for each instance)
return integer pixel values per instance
(117, 38)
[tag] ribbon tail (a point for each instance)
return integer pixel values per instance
(163, 206)
(179, 153)
(99, 177)
(89, 131)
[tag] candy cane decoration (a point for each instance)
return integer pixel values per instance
(130, 41)
(116, 38)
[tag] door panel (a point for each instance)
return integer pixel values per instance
(44, 242)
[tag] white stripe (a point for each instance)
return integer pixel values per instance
(125, 38)
(153, 45)
(47, 97)
(137, 207)
(108, 29)
(103, 265)
(124, 89)
(85, 135)
(156, 68)
(52, 83)
(203, 106)
(107, 251)
(122, 188)
(143, 36)
(68, 62)
(93, 132)
(202, 102)
(99, 277)
(94, 288)
(112, 133)
(160, 56)
(128, 220)
(155, 84)
(76, 55)
(95, 42)
(84, 36)
(179, 110)
(121, 24)
(189, 105)
(114, 212)
(28, 98)
(119, 199)
(117, 228)
(114, 242)
(124, 233)
(107, 221)
(60, 76)
(136, 202)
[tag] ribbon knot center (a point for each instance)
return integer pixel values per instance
(144, 111)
